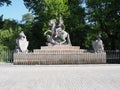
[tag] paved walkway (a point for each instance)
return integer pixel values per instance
(60, 77)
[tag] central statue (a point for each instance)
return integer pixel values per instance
(57, 34)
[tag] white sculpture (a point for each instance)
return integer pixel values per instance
(58, 34)
(98, 45)
(22, 43)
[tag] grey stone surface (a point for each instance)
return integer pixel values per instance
(60, 77)
(60, 55)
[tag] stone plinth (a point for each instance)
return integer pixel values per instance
(60, 55)
(62, 47)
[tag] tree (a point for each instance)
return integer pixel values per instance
(1, 22)
(27, 24)
(104, 16)
(10, 24)
(75, 23)
(8, 34)
(44, 10)
(27, 18)
(2, 2)
(71, 10)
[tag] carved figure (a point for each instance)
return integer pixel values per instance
(57, 35)
(98, 45)
(21, 43)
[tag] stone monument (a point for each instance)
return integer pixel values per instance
(59, 49)
(21, 44)
(58, 35)
(98, 45)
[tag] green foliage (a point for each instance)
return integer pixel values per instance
(73, 17)
(75, 23)
(105, 18)
(44, 10)
(7, 39)
(1, 21)
(6, 55)
(27, 19)
(8, 34)
(2, 2)
(102, 16)
(47, 9)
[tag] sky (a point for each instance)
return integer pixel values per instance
(14, 11)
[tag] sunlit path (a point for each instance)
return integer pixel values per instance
(60, 77)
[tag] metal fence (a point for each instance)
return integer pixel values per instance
(112, 56)
(6, 56)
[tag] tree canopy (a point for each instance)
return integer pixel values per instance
(82, 23)
(71, 10)
(2, 2)
(105, 18)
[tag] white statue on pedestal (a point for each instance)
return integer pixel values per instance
(98, 45)
(22, 43)
(58, 35)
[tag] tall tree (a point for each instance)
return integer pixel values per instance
(27, 18)
(73, 16)
(104, 15)
(27, 24)
(75, 23)
(47, 9)
(44, 10)
(2, 2)
(1, 22)
(8, 34)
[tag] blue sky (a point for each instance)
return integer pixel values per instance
(14, 11)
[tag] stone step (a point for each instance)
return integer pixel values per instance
(58, 51)
(62, 47)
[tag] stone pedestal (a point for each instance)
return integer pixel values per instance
(60, 55)
(60, 47)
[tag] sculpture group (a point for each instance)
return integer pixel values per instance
(57, 34)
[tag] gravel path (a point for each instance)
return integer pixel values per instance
(60, 77)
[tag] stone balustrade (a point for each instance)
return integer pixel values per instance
(60, 55)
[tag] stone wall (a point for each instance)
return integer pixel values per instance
(60, 55)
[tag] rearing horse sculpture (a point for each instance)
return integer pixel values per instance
(51, 35)
(58, 35)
